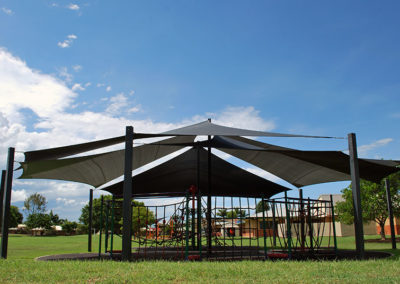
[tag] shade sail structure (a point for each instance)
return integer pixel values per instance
(61, 152)
(174, 178)
(208, 128)
(302, 168)
(101, 168)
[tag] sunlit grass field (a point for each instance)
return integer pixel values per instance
(20, 267)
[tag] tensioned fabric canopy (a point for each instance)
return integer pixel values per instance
(99, 169)
(208, 128)
(299, 168)
(202, 128)
(302, 168)
(174, 178)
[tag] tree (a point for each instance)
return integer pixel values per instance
(84, 218)
(373, 202)
(69, 227)
(35, 203)
(38, 220)
(55, 219)
(140, 214)
(222, 213)
(236, 213)
(15, 217)
(259, 206)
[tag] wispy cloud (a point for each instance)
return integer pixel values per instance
(7, 11)
(364, 149)
(74, 7)
(77, 87)
(117, 103)
(68, 41)
(108, 89)
(63, 73)
(77, 68)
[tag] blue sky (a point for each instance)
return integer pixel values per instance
(82, 70)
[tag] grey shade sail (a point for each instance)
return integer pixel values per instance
(302, 168)
(174, 178)
(61, 152)
(208, 128)
(99, 169)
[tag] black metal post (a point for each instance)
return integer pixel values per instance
(274, 226)
(390, 211)
(127, 194)
(355, 185)
(289, 227)
(107, 220)
(7, 202)
(302, 223)
(333, 224)
(209, 225)
(90, 220)
(199, 244)
(101, 224)
(310, 225)
(2, 189)
(264, 228)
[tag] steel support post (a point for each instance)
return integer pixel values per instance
(333, 224)
(209, 225)
(101, 224)
(7, 202)
(90, 220)
(390, 211)
(107, 220)
(187, 227)
(127, 195)
(2, 189)
(289, 227)
(302, 223)
(200, 246)
(355, 185)
(274, 226)
(264, 228)
(112, 226)
(310, 225)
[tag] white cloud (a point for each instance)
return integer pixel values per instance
(63, 73)
(364, 149)
(22, 87)
(77, 68)
(135, 109)
(68, 41)
(108, 88)
(77, 87)
(88, 84)
(98, 85)
(7, 11)
(73, 7)
(18, 195)
(117, 103)
(50, 99)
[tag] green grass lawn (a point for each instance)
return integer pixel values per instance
(20, 267)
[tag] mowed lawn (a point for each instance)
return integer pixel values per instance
(20, 267)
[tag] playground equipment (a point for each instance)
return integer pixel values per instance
(241, 228)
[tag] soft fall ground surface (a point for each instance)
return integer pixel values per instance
(20, 267)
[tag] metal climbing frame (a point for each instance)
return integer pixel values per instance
(241, 228)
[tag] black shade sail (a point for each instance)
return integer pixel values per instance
(302, 168)
(174, 178)
(101, 168)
